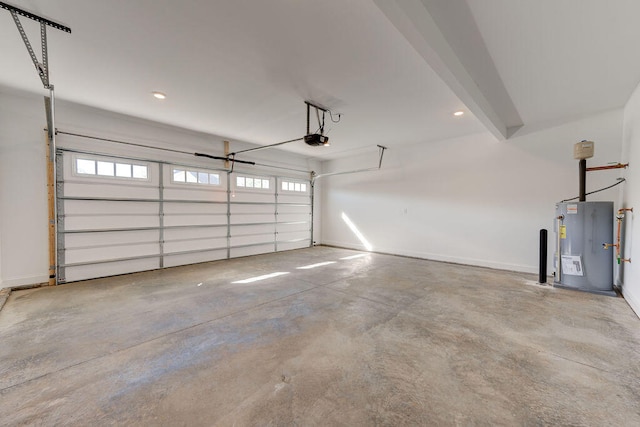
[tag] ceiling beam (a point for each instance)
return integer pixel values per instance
(418, 21)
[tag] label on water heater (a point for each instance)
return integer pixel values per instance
(563, 231)
(572, 265)
(572, 209)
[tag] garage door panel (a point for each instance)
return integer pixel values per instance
(293, 235)
(250, 240)
(252, 196)
(220, 187)
(297, 226)
(103, 253)
(293, 245)
(196, 194)
(252, 250)
(184, 220)
(72, 179)
(194, 233)
(293, 217)
(252, 229)
(252, 209)
(294, 209)
(110, 191)
(198, 245)
(205, 256)
(181, 208)
(79, 240)
(107, 222)
(101, 207)
(252, 219)
(92, 271)
(294, 198)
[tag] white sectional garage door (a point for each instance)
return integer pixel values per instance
(119, 215)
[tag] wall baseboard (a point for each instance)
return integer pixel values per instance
(632, 300)
(5, 291)
(4, 296)
(443, 258)
(24, 281)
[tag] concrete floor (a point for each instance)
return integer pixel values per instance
(375, 340)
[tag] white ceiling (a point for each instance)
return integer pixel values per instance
(562, 58)
(242, 69)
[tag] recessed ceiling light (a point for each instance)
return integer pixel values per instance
(458, 113)
(159, 95)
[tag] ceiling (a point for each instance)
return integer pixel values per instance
(395, 70)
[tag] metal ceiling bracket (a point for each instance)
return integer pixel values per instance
(34, 17)
(381, 149)
(316, 106)
(41, 67)
(318, 109)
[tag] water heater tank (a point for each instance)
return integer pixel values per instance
(584, 264)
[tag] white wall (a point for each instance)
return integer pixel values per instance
(23, 193)
(630, 279)
(469, 200)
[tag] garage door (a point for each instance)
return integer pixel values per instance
(120, 215)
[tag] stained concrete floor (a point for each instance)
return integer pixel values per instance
(373, 340)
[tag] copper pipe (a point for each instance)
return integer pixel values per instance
(601, 168)
(618, 239)
(617, 244)
(558, 278)
(619, 218)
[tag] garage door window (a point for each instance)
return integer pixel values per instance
(113, 169)
(190, 176)
(299, 187)
(252, 182)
